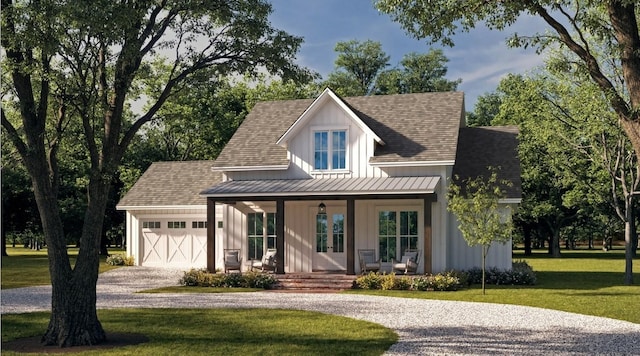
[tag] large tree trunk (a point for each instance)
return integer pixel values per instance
(74, 319)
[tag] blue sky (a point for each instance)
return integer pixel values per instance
(480, 58)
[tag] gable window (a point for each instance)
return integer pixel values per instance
(330, 150)
(261, 233)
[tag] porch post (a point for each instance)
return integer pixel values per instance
(351, 240)
(280, 236)
(211, 235)
(428, 259)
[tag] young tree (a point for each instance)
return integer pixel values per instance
(82, 60)
(482, 220)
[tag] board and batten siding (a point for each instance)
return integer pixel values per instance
(464, 257)
(300, 234)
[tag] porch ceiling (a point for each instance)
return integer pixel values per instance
(323, 187)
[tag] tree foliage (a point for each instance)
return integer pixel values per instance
(603, 39)
(357, 66)
(84, 62)
(360, 70)
(481, 219)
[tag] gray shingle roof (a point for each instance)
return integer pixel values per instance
(415, 127)
(492, 146)
(177, 183)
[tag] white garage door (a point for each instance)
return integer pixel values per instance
(174, 243)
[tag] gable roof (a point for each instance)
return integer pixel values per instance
(171, 184)
(416, 128)
(491, 146)
(326, 95)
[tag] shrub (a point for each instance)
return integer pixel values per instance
(118, 259)
(259, 280)
(369, 281)
(391, 282)
(439, 282)
(203, 278)
(463, 277)
(520, 274)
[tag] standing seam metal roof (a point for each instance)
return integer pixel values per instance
(323, 186)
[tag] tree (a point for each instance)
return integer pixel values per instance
(358, 65)
(418, 73)
(83, 60)
(482, 221)
(604, 38)
(486, 109)
(546, 178)
(361, 71)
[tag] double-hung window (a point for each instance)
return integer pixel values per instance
(330, 150)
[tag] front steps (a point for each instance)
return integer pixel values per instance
(316, 282)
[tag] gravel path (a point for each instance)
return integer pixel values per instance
(425, 327)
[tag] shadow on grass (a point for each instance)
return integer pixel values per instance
(580, 280)
(617, 254)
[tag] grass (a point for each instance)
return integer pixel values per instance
(24, 267)
(582, 281)
(201, 331)
(225, 332)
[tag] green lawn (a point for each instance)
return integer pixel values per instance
(201, 331)
(582, 281)
(225, 332)
(24, 267)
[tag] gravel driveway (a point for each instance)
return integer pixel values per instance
(425, 327)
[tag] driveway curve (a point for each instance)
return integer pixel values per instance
(425, 327)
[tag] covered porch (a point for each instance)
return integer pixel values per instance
(351, 205)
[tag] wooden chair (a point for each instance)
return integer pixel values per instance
(368, 261)
(267, 263)
(232, 260)
(409, 262)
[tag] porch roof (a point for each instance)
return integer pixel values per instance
(322, 187)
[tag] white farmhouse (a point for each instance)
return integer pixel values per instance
(320, 179)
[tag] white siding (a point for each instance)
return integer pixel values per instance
(463, 257)
(182, 248)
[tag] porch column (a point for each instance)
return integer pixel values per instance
(351, 236)
(428, 268)
(211, 235)
(280, 236)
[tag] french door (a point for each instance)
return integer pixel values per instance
(329, 240)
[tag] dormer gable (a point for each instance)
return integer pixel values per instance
(323, 99)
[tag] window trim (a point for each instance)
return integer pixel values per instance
(266, 237)
(398, 209)
(330, 130)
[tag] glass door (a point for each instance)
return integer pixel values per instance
(329, 244)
